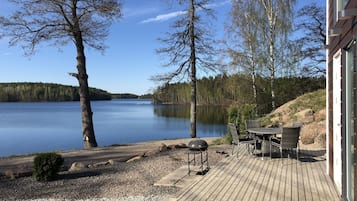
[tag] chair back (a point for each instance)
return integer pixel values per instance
(252, 124)
(290, 137)
(234, 132)
(297, 124)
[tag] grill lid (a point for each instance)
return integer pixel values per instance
(198, 145)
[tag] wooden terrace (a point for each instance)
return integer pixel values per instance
(250, 178)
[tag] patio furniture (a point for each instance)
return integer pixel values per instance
(237, 139)
(263, 135)
(297, 124)
(289, 140)
(252, 124)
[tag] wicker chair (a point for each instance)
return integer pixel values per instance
(289, 140)
(252, 124)
(237, 139)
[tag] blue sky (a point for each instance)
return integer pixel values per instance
(128, 63)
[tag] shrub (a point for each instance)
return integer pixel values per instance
(46, 166)
(226, 139)
(237, 114)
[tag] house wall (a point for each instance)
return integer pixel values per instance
(348, 31)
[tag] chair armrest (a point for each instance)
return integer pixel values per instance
(274, 138)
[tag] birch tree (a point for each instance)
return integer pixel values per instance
(243, 38)
(275, 26)
(188, 48)
(59, 22)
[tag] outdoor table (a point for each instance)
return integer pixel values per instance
(264, 134)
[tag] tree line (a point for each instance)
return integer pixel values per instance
(263, 29)
(34, 92)
(229, 89)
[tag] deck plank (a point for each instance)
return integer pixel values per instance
(250, 178)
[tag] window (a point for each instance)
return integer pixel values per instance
(338, 6)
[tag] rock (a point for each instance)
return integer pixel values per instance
(10, 174)
(151, 153)
(163, 147)
(181, 146)
(135, 158)
(99, 164)
(310, 133)
(305, 116)
(76, 166)
(320, 115)
(171, 146)
(320, 140)
(111, 162)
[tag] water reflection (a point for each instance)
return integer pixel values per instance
(39, 127)
(205, 114)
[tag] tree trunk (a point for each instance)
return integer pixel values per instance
(272, 71)
(193, 72)
(272, 23)
(253, 74)
(87, 114)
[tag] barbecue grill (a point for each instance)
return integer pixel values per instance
(200, 165)
(197, 145)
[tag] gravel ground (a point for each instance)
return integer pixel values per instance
(122, 181)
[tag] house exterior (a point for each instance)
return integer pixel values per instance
(341, 108)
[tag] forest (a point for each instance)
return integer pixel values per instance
(226, 90)
(35, 92)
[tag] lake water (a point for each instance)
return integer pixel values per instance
(47, 126)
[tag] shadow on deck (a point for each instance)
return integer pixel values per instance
(250, 178)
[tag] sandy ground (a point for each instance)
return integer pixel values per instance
(120, 180)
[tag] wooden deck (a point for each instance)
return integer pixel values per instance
(250, 178)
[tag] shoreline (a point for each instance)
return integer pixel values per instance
(102, 147)
(21, 165)
(118, 179)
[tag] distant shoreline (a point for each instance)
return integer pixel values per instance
(52, 92)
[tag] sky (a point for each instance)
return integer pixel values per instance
(127, 64)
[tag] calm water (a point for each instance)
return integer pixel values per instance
(38, 127)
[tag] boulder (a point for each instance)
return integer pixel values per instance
(99, 164)
(305, 116)
(310, 132)
(163, 147)
(76, 166)
(180, 146)
(320, 140)
(111, 162)
(135, 158)
(320, 115)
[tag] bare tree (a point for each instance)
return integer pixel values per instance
(312, 23)
(243, 40)
(57, 22)
(188, 47)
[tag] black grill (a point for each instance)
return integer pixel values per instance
(198, 145)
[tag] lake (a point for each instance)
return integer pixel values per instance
(46, 126)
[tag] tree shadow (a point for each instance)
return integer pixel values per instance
(77, 175)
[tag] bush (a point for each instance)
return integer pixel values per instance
(237, 114)
(46, 166)
(226, 139)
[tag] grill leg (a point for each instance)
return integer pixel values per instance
(203, 165)
(188, 163)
